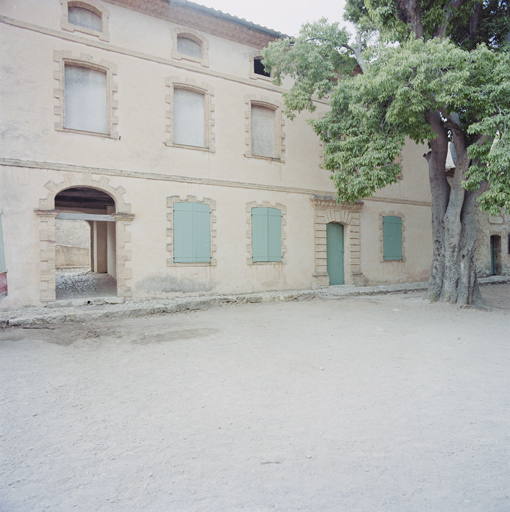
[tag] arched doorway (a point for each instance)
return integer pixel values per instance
(335, 252)
(495, 255)
(81, 271)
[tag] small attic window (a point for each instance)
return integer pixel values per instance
(258, 67)
(85, 18)
(189, 47)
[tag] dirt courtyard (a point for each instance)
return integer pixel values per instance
(382, 403)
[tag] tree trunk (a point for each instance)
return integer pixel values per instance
(454, 225)
(440, 192)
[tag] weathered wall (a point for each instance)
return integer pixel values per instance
(142, 168)
(74, 233)
(69, 257)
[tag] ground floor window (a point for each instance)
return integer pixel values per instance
(192, 233)
(392, 238)
(266, 225)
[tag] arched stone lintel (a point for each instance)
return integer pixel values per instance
(77, 180)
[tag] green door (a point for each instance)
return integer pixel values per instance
(335, 252)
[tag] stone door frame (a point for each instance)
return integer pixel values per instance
(47, 216)
(327, 210)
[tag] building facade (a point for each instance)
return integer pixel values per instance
(156, 124)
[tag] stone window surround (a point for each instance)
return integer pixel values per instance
(91, 5)
(63, 58)
(47, 215)
(172, 83)
(194, 36)
(279, 128)
(265, 204)
(327, 210)
(255, 76)
(170, 231)
(381, 236)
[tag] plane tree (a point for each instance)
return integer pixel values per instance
(434, 72)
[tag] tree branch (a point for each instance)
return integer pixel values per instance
(356, 50)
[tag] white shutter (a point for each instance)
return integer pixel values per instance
(85, 99)
(187, 46)
(262, 131)
(189, 121)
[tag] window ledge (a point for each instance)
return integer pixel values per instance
(256, 76)
(69, 27)
(171, 263)
(250, 262)
(185, 146)
(114, 136)
(267, 158)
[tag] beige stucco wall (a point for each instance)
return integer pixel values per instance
(36, 160)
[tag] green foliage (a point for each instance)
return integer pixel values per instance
(314, 60)
(393, 23)
(372, 114)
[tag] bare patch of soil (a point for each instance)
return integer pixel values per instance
(359, 404)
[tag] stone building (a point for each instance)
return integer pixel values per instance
(155, 123)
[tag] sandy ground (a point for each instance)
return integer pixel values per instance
(385, 403)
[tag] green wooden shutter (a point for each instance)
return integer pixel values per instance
(201, 233)
(259, 246)
(2, 255)
(192, 233)
(266, 234)
(274, 234)
(392, 238)
(183, 232)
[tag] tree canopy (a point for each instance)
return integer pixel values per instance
(435, 71)
(371, 113)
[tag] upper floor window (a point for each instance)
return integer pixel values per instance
(85, 99)
(84, 18)
(190, 45)
(85, 94)
(262, 131)
(189, 112)
(264, 128)
(258, 67)
(89, 17)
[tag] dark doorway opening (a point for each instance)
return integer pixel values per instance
(495, 255)
(85, 244)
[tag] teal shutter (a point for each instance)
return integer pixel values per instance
(392, 238)
(266, 234)
(274, 234)
(192, 233)
(259, 248)
(183, 232)
(2, 255)
(201, 233)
